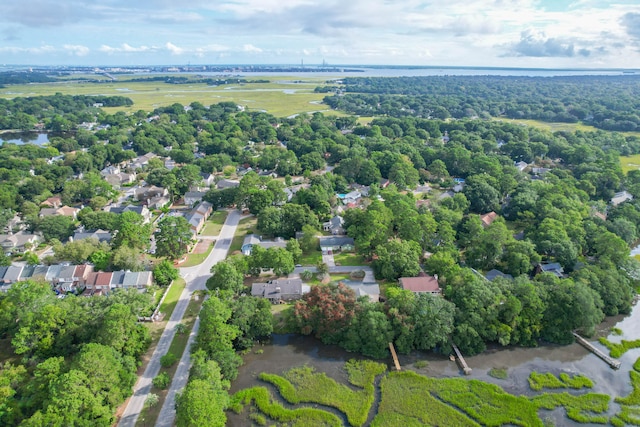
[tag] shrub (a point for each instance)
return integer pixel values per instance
(421, 364)
(152, 400)
(161, 381)
(498, 373)
(168, 360)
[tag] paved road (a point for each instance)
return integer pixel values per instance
(196, 278)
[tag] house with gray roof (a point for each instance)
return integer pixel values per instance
(493, 274)
(252, 240)
(16, 243)
(99, 235)
(280, 290)
(27, 272)
(336, 243)
(193, 197)
(12, 275)
(370, 290)
(53, 273)
(335, 225)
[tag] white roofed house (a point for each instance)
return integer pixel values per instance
(252, 240)
(335, 225)
(280, 290)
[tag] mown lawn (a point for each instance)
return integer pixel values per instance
(245, 226)
(348, 259)
(630, 163)
(197, 259)
(215, 223)
(173, 295)
(311, 259)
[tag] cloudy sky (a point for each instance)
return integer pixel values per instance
(518, 33)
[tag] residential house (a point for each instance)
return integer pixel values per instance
(423, 284)
(52, 202)
(27, 272)
(488, 218)
(4, 287)
(40, 272)
(80, 274)
(351, 197)
(110, 170)
(12, 275)
(98, 283)
(521, 166)
(539, 170)
(100, 235)
(621, 197)
(18, 242)
(169, 164)
(335, 225)
(193, 197)
(371, 290)
(198, 216)
(446, 195)
(208, 179)
(158, 202)
(252, 240)
(120, 179)
(142, 210)
(143, 194)
(66, 278)
(280, 290)
(227, 183)
(141, 161)
(13, 225)
(552, 267)
(493, 274)
(62, 211)
(330, 244)
(53, 272)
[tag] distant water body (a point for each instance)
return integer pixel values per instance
(435, 71)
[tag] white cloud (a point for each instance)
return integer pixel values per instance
(77, 50)
(175, 50)
(251, 48)
(125, 48)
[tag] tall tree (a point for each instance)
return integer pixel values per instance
(173, 237)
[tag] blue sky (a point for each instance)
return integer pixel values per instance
(512, 33)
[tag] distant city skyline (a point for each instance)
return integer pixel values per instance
(482, 33)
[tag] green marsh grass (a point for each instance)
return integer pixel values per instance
(618, 349)
(539, 381)
(298, 417)
(303, 384)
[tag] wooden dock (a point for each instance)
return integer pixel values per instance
(614, 364)
(463, 364)
(395, 356)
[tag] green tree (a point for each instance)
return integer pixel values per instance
(173, 237)
(164, 273)
(253, 318)
(369, 332)
(132, 231)
(397, 258)
(225, 277)
(58, 227)
(309, 239)
(126, 258)
(293, 246)
(201, 404)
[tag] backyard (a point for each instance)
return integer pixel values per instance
(245, 226)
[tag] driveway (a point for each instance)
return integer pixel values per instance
(196, 278)
(368, 272)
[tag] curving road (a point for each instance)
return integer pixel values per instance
(196, 278)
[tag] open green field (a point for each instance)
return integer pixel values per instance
(551, 127)
(630, 163)
(197, 259)
(280, 97)
(172, 297)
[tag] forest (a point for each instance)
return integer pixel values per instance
(606, 102)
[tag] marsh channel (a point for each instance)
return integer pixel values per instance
(284, 352)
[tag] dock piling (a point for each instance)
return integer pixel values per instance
(463, 364)
(614, 364)
(395, 356)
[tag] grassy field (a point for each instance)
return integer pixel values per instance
(173, 295)
(215, 223)
(348, 259)
(551, 127)
(630, 163)
(280, 97)
(245, 226)
(196, 259)
(311, 259)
